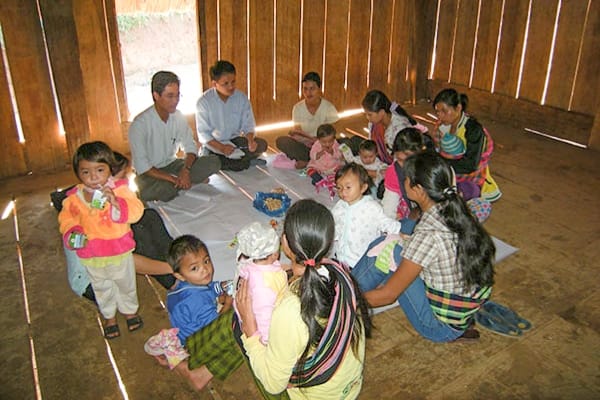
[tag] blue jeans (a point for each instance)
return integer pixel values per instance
(416, 306)
(413, 300)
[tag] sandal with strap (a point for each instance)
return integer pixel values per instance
(112, 331)
(134, 323)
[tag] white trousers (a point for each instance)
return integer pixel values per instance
(115, 288)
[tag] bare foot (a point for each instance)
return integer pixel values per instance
(198, 378)
(301, 164)
(162, 360)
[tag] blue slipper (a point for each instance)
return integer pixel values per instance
(504, 313)
(492, 324)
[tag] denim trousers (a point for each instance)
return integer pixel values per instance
(413, 300)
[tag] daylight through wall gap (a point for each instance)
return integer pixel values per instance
(585, 21)
(523, 52)
(274, 49)
(389, 66)
(551, 56)
(435, 37)
(370, 44)
(475, 44)
(498, 47)
(453, 41)
(11, 89)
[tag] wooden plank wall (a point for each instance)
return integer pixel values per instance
(501, 53)
(65, 55)
(355, 45)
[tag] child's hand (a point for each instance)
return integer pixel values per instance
(226, 301)
(110, 196)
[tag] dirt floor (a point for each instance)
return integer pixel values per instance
(549, 210)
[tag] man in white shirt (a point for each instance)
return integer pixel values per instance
(156, 135)
(225, 121)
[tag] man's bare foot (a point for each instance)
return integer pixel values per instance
(198, 378)
(301, 164)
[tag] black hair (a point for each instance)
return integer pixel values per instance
(161, 79)
(94, 152)
(309, 230)
(121, 162)
(368, 145)
(408, 139)
(376, 100)
(452, 98)
(325, 130)
(475, 248)
(181, 246)
(219, 68)
(359, 171)
(313, 77)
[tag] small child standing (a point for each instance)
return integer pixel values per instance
(325, 155)
(192, 303)
(95, 221)
(358, 219)
(258, 264)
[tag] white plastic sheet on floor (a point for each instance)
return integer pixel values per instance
(215, 212)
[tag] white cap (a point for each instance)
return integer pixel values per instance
(257, 241)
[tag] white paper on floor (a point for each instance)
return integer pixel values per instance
(215, 212)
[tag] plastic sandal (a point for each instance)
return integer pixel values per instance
(504, 313)
(112, 332)
(134, 323)
(492, 324)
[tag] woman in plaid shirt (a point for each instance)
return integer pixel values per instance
(446, 271)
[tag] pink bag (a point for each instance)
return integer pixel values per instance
(282, 161)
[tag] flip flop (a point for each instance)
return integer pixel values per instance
(112, 332)
(134, 323)
(504, 313)
(495, 325)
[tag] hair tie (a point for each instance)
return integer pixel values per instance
(310, 262)
(393, 106)
(449, 191)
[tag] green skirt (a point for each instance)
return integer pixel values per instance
(216, 347)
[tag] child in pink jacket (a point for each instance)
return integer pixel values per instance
(258, 263)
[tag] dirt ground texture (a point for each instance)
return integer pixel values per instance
(549, 210)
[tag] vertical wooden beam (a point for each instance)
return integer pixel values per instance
(358, 46)
(287, 57)
(335, 58)
(114, 44)
(261, 60)
(95, 59)
(312, 36)
(63, 50)
(45, 147)
(421, 47)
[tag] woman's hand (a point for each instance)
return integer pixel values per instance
(243, 300)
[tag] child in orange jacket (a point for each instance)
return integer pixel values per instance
(95, 221)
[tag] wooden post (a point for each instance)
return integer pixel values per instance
(63, 50)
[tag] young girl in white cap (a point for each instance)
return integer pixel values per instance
(258, 264)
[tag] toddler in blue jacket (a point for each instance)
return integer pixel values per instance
(191, 303)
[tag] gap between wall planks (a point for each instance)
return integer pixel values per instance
(92, 96)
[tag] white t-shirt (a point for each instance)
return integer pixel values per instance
(325, 114)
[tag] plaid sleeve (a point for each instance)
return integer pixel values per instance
(418, 249)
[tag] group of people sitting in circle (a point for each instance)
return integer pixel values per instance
(400, 231)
